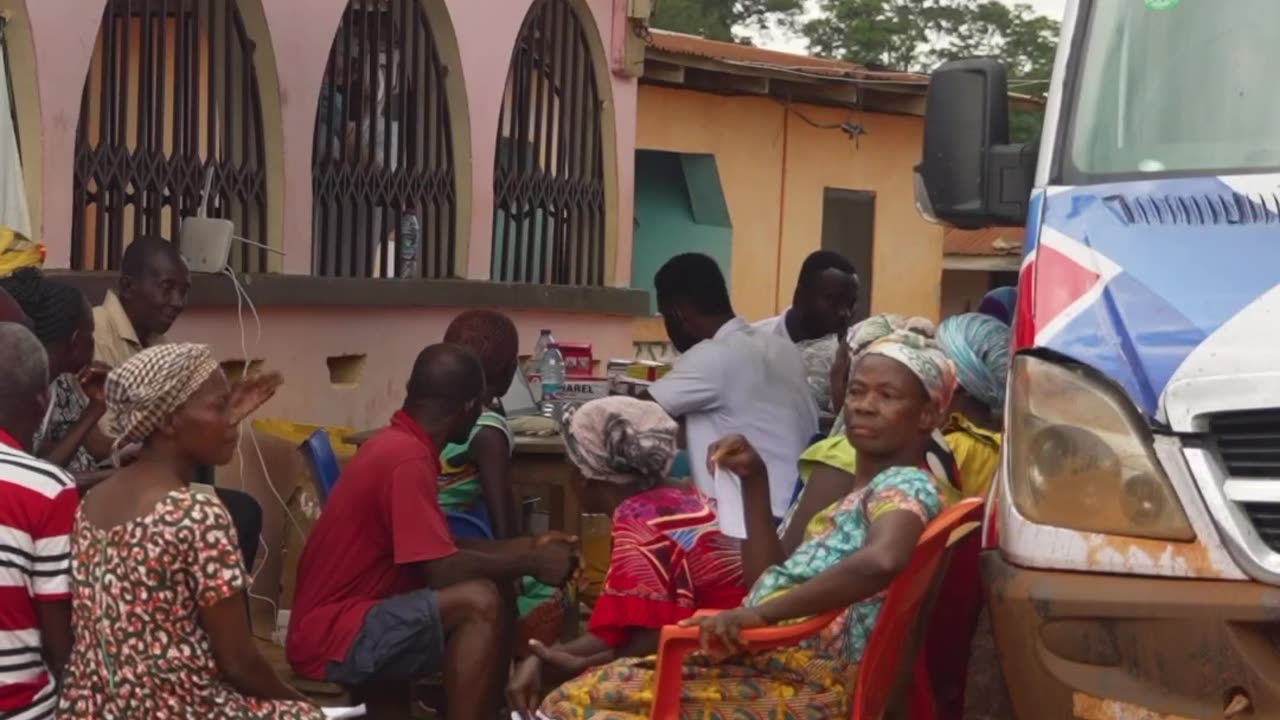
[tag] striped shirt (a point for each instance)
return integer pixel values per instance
(37, 510)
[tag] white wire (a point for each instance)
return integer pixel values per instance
(242, 297)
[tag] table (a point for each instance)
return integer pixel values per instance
(537, 462)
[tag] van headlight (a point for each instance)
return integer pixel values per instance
(1081, 457)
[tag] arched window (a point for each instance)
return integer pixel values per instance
(383, 153)
(171, 94)
(549, 202)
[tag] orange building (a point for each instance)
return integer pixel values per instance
(781, 155)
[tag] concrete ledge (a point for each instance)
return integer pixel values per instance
(305, 290)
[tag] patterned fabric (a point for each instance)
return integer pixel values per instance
(911, 342)
(621, 440)
(459, 484)
(819, 355)
(814, 680)
(838, 532)
(145, 390)
(67, 402)
(785, 684)
(140, 649)
(838, 452)
(668, 560)
(978, 345)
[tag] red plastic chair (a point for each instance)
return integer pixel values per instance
(893, 643)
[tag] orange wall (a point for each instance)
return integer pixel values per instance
(747, 135)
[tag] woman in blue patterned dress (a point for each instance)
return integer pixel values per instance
(849, 554)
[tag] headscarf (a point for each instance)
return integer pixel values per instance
(621, 440)
(1000, 304)
(979, 346)
(911, 342)
(144, 391)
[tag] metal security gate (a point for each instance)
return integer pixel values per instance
(171, 93)
(383, 154)
(549, 202)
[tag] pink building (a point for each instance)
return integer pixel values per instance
(506, 124)
(504, 128)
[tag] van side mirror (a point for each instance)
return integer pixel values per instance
(970, 176)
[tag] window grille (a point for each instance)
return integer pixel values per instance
(549, 203)
(171, 93)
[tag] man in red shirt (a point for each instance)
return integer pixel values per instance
(384, 594)
(37, 509)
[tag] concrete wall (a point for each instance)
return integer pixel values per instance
(774, 165)
(476, 39)
(962, 290)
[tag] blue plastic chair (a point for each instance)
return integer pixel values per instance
(324, 463)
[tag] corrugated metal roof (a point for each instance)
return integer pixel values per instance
(988, 241)
(682, 44)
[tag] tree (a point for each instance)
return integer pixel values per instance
(919, 35)
(727, 20)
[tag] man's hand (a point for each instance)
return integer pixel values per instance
(555, 536)
(525, 687)
(252, 392)
(93, 382)
(736, 454)
(554, 562)
(725, 629)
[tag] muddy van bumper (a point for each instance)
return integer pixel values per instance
(1079, 645)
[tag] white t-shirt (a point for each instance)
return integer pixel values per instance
(749, 382)
(776, 325)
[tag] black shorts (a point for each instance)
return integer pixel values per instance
(401, 640)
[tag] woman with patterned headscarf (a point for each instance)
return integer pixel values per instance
(827, 467)
(158, 586)
(669, 557)
(899, 390)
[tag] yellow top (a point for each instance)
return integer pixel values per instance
(977, 453)
(838, 453)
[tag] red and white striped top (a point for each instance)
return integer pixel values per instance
(37, 510)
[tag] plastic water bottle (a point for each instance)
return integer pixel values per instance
(551, 370)
(540, 348)
(410, 231)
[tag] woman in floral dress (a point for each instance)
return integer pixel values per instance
(849, 554)
(158, 603)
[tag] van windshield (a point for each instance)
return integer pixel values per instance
(1174, 87)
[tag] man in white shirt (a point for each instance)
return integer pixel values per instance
(821, 312)
(823, 302)
(730, 378)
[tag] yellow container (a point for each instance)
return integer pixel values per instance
(297, 433)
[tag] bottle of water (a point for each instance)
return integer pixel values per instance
(540, 348)
(551, 370)
(410, 231)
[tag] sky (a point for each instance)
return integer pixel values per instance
(790, 43)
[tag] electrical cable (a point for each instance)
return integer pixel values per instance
(242, 298)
